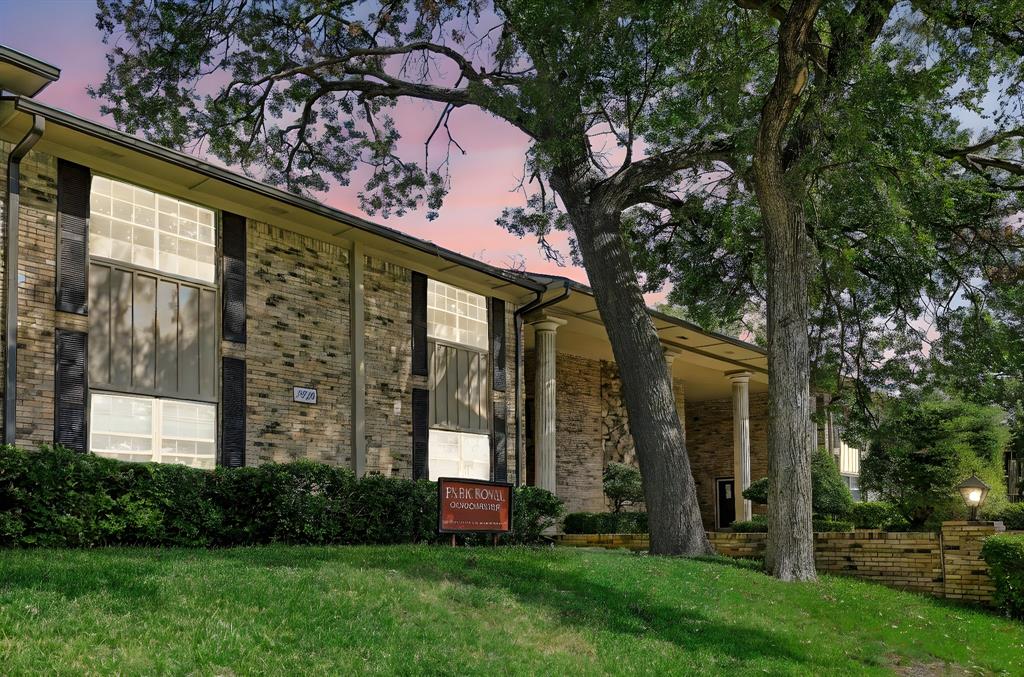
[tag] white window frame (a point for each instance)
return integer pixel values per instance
(437, 436)
(156, 436)
(160, 208)
(456, 316)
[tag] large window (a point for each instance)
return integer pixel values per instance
(454, 454)
(146, 229)
(456, 316)
(131, 428)
(459, 444)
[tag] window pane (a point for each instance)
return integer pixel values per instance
(131, 428)
(453, 454)
(456, 315)
(127, 217)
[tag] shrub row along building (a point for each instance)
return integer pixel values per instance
(159, 308)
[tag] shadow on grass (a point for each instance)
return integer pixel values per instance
(577, 599)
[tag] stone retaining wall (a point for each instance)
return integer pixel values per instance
(946, 564)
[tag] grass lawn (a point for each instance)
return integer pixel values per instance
(419, 610)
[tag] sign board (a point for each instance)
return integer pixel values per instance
(304, 395)
(473, 506)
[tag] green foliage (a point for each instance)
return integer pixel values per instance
(56, 497)
(830, 497)
(922, 450)
(622, 485)
(1004, 555)
(757, 492)
(1011, 515)
(877, 515)
(606, 523)
(758, 524)
(829, 494)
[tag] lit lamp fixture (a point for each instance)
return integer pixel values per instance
(974, 492)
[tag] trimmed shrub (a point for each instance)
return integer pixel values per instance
(56, 497)
(829, 494)
(1004, 555)
(622, 485)
(606, 523)
(759, 525)
(877, 515)
(1011, 515)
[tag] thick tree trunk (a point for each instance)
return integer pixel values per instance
(669, 491)
(790, 552)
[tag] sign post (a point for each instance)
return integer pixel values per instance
(473, 506)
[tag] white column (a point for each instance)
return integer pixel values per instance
(545, 393)
(671, 353)
(741, 440)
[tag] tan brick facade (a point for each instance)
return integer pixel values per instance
(297, 300)
(298, 334)
(709, 442)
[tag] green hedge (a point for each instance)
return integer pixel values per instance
(877, 515)
(606, 523)
(55, 497)
(759, 525)
(1011, 515)
(1004, 555)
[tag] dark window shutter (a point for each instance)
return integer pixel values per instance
(73, 184)
(70, 389)
(419, 324)
(496, 327)
(233, 276)
(232, 413)
(499, 445)
(420, 433)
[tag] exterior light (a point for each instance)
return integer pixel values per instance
(974, 492)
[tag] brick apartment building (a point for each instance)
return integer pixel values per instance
(159, 308)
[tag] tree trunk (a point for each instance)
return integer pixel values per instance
(790, 552)
(673, 513)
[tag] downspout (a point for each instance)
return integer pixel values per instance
(530, 307)
(11, 275)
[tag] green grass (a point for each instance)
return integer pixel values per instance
(420, 610)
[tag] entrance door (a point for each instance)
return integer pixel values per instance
(726, 502)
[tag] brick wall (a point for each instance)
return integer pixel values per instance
(37, 316)
(297, 301)
(709, 443)
(946, 564)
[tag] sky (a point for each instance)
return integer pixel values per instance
(484, 180)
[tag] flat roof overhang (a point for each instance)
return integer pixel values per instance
(110, 152)
(24, 75)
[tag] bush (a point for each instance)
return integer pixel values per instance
(56, 497)
(606, 523)
(923, 449)
(759, 525)
(829, 494)
(622, 485)
(1004, 555)
(1011, 515)
(877, 515)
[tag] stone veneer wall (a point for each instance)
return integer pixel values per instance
(709, 443)
(297, 302)
(946, 564)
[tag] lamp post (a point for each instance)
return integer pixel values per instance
(974, 492)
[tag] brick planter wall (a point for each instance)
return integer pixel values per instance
(946, 564)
